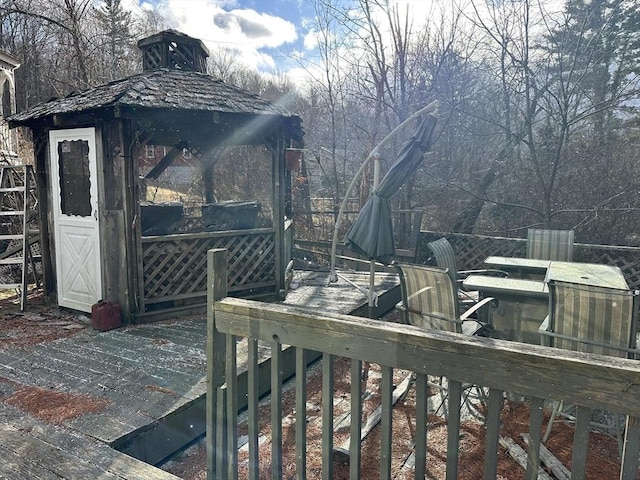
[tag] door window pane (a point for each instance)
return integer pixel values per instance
(75, 183)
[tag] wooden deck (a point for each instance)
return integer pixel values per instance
(150, 379)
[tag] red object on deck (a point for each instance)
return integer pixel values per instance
(105, 316)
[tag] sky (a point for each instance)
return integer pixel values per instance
(273, 36)
(267, 33)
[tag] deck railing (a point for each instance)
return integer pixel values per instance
(472, 250)
(534, 372)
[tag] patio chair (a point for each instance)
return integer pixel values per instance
(429, 301)
(550, 244)
(590, 319)
(444, 256)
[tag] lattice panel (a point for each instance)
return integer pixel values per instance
(152, 57)
(173, 54)
(182, 55)
(471, 250)
(251, 262)
(177, 268)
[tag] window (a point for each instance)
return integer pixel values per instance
(6, 99)
(150, 151)
(75, 182)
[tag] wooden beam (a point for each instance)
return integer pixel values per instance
(520, 456)
(216, 345)
(557, 468)
(531, 370)
(341, 452)
(167, 160)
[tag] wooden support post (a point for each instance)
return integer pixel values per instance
(492, 433)
(556, 466)
(216, 289)
(165, 161)
(580, 443)
(454, 398)
(630, 448)
(535, 425)
(327, 416)
(520, 456)
(343, 452)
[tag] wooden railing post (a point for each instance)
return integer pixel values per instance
(630, 448)
(216, 289)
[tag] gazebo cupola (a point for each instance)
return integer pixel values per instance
(173, 49)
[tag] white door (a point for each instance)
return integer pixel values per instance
(75, 210)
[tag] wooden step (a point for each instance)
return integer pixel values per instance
(12, 189)
(12, 261)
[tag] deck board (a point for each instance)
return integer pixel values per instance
(314, 290)
(153, 376)
(57, 376)
(34, 457)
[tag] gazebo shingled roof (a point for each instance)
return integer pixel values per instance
(159, 88)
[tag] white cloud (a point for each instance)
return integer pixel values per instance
(310, 41)
(219, 23)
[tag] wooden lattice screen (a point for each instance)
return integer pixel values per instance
(472, 250)
(170, 49)
(175, 266)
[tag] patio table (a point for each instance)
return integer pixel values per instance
(522, 305)
(506, 285)
(521, 267)
(523, 302)
(592, 274)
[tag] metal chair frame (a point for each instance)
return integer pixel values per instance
(444, 256)
(429, 300)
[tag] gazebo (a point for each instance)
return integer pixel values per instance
(103, 238)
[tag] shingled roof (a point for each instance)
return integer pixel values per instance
(158, 89)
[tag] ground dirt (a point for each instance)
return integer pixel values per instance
(603, 460)
(38, 323)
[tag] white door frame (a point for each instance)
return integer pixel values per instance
(76, 236)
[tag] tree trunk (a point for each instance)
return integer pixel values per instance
(467, 219)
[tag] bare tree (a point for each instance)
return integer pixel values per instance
(118, 34)
(548, 67)
(70, 45)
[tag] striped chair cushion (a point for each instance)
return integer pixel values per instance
(550, 244)
(445, 256)
(429, 297)
(592, 319)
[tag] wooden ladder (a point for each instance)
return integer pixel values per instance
(17, 204)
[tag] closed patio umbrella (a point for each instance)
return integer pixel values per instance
(372, 232)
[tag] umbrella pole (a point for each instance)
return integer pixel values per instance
(373, 298)
(333, 277)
